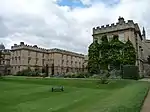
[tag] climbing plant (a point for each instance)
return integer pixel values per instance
(93, 55)
(104, 53)
(115, 52)
(129, 54)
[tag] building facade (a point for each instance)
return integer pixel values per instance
(125, 30)
(58, 61)
(5, 67)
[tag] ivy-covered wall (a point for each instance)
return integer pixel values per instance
(112, 52)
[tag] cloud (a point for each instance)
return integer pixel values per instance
(49, 25)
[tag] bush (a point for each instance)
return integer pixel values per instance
(95, 76)
(104, 73)
(115, 74)
(25, 72)
(76, 75)
(0, 75)
(103, 80)
(28, 72)
(34, 73)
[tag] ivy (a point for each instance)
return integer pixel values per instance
(113, 53)
(93, 55)
(104, 53)
(129, 54)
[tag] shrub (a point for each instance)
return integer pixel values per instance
(103, 80)
(115, 74)
(28, 72)
(24, 72)
(0, 75)
(76, 75)
(68, 75)
(104, 73)
(95, 76)
(35, 73)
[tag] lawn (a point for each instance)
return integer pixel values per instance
(34, 95)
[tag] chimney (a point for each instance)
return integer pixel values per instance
(121, 20)
(21, 43)
(15, 44)
(35, 46)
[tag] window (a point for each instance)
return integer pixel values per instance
(67, 62)
(110, 37)
(99, 40)
(18, 68)
(43, 62)
(28, 53)
(29, 60)
(121, 37)
(36, 60)
(36, 54)
(16, 60)
(62, 62)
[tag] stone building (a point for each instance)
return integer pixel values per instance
(85, 64)
(146, 51)
(5, 67)
(58, 61)
(125, 30)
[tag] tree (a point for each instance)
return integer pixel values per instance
(129, 54)
(93, 55)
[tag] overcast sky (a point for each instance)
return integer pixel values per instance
(65, 24)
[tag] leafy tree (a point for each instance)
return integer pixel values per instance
(93, 55)
(129, 54)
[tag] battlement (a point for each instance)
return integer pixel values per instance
(65, 52)
(120, 25)
(38, 49)
(29, 47)
(5, 51)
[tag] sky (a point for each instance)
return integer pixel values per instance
(65, 24)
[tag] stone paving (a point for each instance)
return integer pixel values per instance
(146, 105)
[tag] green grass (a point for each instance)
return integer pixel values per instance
(34, 95)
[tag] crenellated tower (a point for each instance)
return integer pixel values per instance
(125, 30)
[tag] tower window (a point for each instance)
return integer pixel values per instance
(121, 37)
